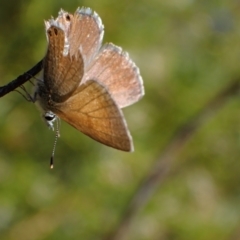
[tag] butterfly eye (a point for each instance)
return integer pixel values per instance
(49, 117)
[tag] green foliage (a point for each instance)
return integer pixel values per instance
(187, 52)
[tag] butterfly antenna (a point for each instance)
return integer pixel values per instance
(55, 143)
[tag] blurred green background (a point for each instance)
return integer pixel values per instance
(187, 52)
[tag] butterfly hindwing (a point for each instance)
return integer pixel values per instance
(92, 111)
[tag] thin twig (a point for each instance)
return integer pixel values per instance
(161, 168)
(21, 79)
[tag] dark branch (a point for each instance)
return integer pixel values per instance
(21, 79)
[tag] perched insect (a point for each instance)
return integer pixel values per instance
(86, 84)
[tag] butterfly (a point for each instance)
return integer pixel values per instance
(86, 84)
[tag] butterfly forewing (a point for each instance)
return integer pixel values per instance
(86, 33)
(92, 111)
(115, 70)
(62, 73)
(64, 19)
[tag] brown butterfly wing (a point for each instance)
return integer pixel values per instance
(64, 19)
(114, 69)
(92, 111)
(86, 33)
(62, 73)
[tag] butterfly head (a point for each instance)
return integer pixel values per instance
(50, 118)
